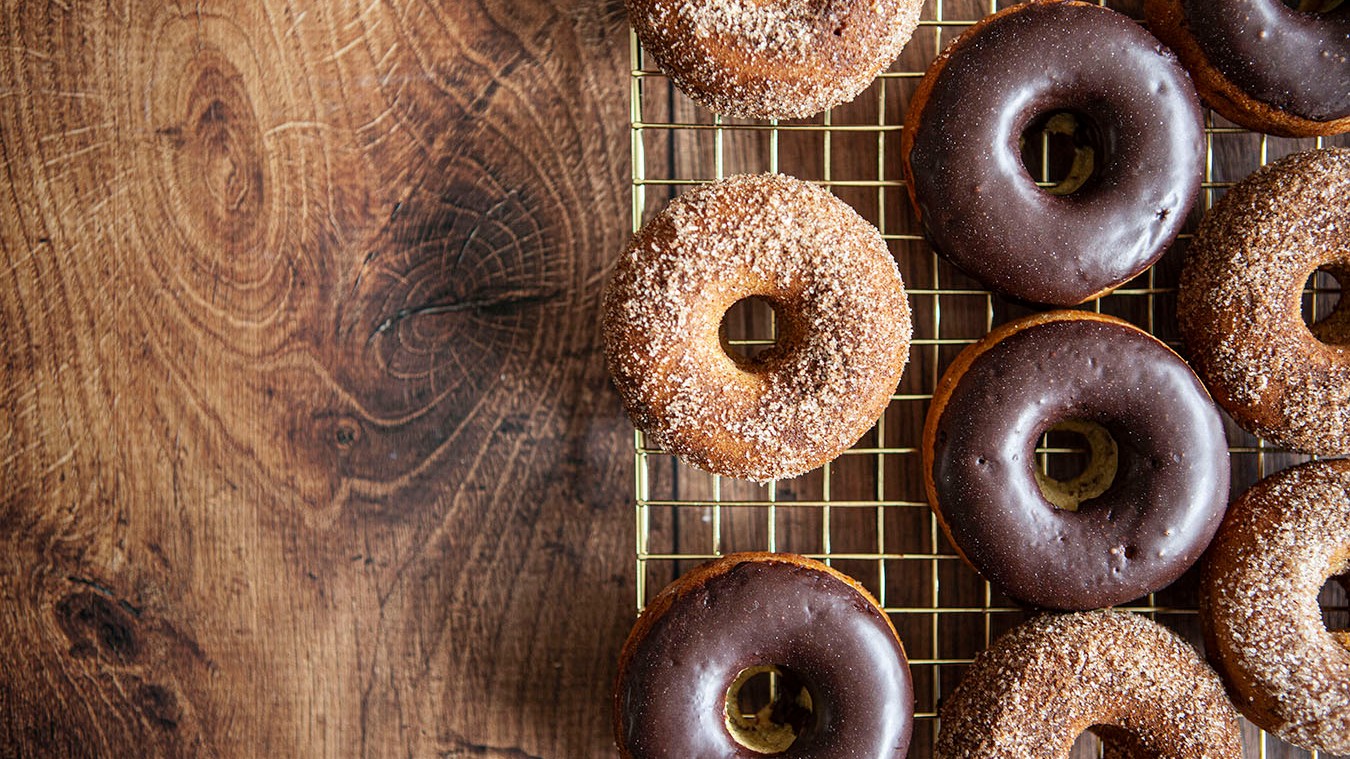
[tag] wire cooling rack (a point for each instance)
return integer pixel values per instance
(866, 513)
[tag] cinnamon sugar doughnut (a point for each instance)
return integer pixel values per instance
(843, 327)
(1239, 306)
(777, 59)
(1281, 540)
(1041, 685)
(832, 645)
(1262, 64)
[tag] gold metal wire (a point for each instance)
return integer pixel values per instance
(665, 563)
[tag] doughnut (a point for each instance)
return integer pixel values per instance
(777, 59)
(837, 655)
(1239, 306)
(1142, 689)
(1280, 542)
(1141, 513)
(842, 316)
(1262, 64)
(1140, 155)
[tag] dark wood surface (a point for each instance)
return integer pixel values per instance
(306, 441)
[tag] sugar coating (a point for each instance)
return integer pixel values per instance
(1279, 543)
(843, 337)
(781, 59)
(1041, 685)
(1239, 304)
(781, 30)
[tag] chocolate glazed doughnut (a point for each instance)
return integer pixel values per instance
(1135, 520)
(823, 632)
(980, 207)
(1262, 64)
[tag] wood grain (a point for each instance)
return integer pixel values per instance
(306, 443)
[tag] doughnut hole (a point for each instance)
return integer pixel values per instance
(1335, 602)
(1316, 6)
(1078, 461)
(1325, 312)
(767, 707)
(1087, 744)
(1111, 742)
(1062, 151)
(749, 330)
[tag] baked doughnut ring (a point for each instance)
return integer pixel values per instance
(843, 327)
(773, 58)
(694, 645)
(1239, 307)
(1042, 684)
(1262, 64)
(1280, 542)
(1142, 150)
(1148, 503)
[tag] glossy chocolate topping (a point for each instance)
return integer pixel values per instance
(1145, 530)
(981, 208)
(1298, 62)
(836, 642)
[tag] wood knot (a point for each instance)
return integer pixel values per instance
(211, 229)
(333, 430)
(98, 626)
(468, 273)
(460, 286)
(212, 160)
(334, 439)
(159, 705)
(346, 433)
(221, 160)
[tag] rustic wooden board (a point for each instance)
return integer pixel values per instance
(306, 443)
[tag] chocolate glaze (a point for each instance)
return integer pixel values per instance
(1162, 509)
(672, 692)
(1297, 62)
(984, 212)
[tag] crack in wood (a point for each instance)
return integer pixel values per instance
(461, 748)
(519, 297)
(127, 606)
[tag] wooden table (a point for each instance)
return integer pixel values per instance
(307, 446)
(306, 441)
